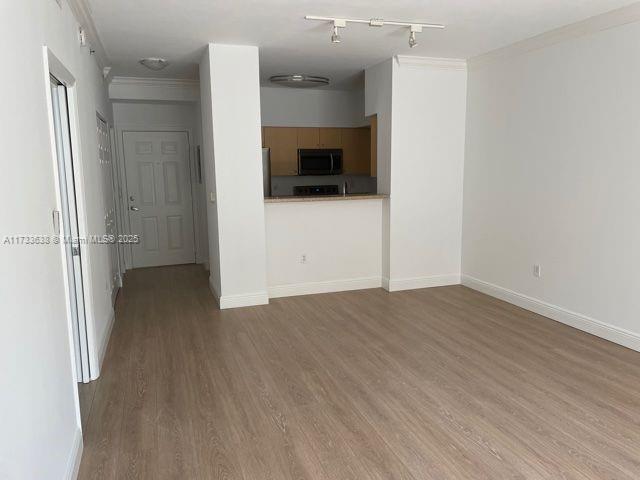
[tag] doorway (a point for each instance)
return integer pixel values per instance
(69, 229)
(160, 207)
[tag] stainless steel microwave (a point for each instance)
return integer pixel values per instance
(319, 161)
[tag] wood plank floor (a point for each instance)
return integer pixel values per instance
(443, 383)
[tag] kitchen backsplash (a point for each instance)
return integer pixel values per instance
(283, 186)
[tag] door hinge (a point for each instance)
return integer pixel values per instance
(75, 251)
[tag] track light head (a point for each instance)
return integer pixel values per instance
(412, 39)
(335, 36)
(413, 29)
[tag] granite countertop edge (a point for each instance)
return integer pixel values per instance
(325, 198)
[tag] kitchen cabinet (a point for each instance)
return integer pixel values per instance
(283, 143)
(331, 137)
(356, 150)
(358, 145)
(308, 137)
(374, 146)
(320, 137)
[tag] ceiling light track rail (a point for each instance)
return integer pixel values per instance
(374, 22)
(338, 23)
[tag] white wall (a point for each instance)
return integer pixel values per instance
(40, 434)
(341, 240)
(208, 160)
(182, 116)
(231, 76)
(300, 107)
(427, 162)
(378, 90)
(552, 176)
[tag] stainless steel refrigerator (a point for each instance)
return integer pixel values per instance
(266, 172)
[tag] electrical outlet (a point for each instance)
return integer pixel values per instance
(303, 258)
(537, 271)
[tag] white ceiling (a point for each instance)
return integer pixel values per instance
(179, 29)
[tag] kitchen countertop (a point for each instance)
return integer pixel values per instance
(325, 198)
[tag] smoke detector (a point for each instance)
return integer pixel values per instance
(154, 63)
(299, 81)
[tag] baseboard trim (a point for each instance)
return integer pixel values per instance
(214, 291)
(243, 300)
(102, 350)
(330, 286)
(396, 285)
(590, 325)
(75, 457)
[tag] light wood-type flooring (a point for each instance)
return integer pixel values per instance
(443, 383)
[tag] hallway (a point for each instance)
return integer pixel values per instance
(442, 383)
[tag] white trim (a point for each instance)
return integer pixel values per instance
(82, 13)
(215, 292)
(75, 457)
(102, 350)
(396, 285)
(243, 300)
(237, 301)
(590, 325)
(385, 282)
(154, 82)
(154, 89)
(311, 288)
(433, 62)
(614, 18)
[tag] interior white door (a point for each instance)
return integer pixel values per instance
(160, 204)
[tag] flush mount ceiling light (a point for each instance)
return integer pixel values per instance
(374, 22)
(299, 81)
(154, 63)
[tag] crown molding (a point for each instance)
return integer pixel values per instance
(154, 82)
(82, 12)
(160, 89)
(605, 21)
(433, 62)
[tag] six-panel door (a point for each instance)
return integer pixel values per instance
(160, 206)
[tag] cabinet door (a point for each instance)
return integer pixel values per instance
(349, 151)
(308, 138)
(356, 151)
(374, 145)
(331, 137)
(283, 143)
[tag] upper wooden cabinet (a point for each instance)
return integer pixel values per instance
(308, 137)
(283, 143)
(320, 137)
(331, 137)
(356, 147)
(374, 146)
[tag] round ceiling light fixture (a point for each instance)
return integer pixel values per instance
(299, 81)
(154, 63)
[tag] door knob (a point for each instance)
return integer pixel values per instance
(135, 209)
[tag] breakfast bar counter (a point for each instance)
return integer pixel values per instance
(325, 198)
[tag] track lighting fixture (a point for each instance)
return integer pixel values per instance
(412, 39)
(412, 35)
(374, 22)
(335, 36)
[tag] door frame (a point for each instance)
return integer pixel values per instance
(54, 67)
(195, 207)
